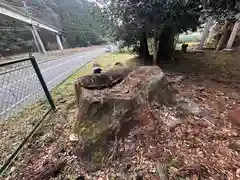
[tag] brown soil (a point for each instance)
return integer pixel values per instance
(197, 147)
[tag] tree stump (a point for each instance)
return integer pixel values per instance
(107, 110)
(109, 99)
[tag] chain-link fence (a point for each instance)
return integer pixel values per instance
(23, 104)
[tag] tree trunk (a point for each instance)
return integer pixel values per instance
(155, 47)
(225, 35)
(144, 52)
(233, 35)
(205, 32)
(166, 44)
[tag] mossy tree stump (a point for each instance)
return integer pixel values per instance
(109, 99)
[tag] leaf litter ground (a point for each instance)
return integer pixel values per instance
(198, 146)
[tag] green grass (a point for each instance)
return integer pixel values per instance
(106, 62)
(194, 37)
(191, 39)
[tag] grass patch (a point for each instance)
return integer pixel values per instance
(106, 62)
(193, 37)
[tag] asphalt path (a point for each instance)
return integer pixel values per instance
(54, 72)
(19, 92)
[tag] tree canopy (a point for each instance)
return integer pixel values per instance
(74, 16)
(222, 9)
(134, 21)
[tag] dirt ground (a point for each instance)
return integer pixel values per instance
(199, 147)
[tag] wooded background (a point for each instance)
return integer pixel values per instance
(73, 16)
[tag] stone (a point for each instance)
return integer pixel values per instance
(189, 106)
(234, 116)
(177, 79)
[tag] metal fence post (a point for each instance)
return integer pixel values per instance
(44, 86)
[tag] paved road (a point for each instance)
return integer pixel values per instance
(54, 72)
(20, 92)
